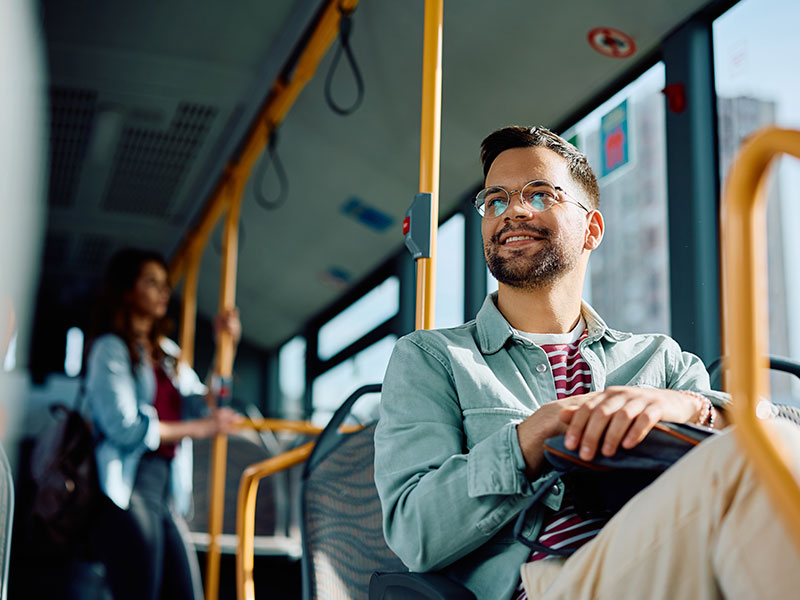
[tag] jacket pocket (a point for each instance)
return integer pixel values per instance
(480, 423)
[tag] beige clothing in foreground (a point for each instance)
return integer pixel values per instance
(705, 529)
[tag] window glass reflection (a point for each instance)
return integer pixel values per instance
(757, 85)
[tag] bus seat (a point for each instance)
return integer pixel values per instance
(776, 363)
(343, 543)
(6, 519)
(273, 504)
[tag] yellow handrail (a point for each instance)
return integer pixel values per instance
(227, 198)
(189, 310)
(304, 427)
(248, 489)
(246, 513)
(223, 369)
(744, 323)
(430, 136)
(280, 99)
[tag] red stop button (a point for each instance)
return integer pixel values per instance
(406, 225)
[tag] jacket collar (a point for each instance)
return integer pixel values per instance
(494, 331)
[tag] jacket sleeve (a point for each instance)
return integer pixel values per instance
(687, 372)
(193, 392)
(440, 500)
(111, 391)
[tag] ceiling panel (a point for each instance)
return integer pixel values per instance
(150, 98)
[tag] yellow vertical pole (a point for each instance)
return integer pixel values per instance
(430, 139)
(189, 308)
(223, 369)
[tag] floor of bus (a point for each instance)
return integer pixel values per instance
(56, 579)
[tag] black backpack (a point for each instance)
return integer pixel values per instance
(67, 495)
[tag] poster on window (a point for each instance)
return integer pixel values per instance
(614, 141)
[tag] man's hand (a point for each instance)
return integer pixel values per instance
(541, 425)
(622, 415)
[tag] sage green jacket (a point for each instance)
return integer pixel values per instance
(448, 466)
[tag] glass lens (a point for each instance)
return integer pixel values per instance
(492, 201)
(539, 195)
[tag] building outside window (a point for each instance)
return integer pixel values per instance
(625, 142)
(758, 85)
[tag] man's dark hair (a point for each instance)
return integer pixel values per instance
(533, 137)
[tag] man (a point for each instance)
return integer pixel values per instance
(465, 412)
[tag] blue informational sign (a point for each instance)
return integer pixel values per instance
(614, 139)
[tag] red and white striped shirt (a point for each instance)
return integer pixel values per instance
(564, 529)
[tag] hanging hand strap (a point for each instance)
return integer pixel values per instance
(283, 180)
(345, 26)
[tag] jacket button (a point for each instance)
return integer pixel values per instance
(541, 367)
(555, 489)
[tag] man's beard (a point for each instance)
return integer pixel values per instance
(529, 272)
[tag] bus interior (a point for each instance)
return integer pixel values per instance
(271, 152)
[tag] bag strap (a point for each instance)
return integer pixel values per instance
(523, 517)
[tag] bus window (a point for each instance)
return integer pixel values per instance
(625, 141)
(291, 368)
(755, 89)
(450, 273)
(332, 387)
(366, 313)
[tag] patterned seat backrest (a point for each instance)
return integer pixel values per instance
(342, 522)
(6, 519)
(788, 411)
(242, 451)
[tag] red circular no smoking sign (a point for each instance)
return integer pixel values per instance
(611, 42)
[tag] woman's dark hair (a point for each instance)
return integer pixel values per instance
(112, 313)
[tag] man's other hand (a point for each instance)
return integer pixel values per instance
(622, 415)
(541, 425)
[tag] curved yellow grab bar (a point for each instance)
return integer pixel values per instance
(744, 322)
(294, 426)
(246, 513)
(248, 488)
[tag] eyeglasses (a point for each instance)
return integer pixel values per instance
(538, 195)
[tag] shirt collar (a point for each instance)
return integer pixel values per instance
(494, 330)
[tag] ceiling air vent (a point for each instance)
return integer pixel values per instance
(71, 115)
(93, 253)
(150, 165)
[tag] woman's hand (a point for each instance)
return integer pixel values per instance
(220, 422)
(228, 321)
(623, 415)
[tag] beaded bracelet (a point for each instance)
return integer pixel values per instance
(707, 413)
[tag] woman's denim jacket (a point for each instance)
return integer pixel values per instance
(448, 466)
(121, 403)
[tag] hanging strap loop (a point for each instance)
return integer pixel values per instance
(345, 27)
(283, 180)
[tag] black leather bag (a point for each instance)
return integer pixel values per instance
(600, 487)
(63, 467)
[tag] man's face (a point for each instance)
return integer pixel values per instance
(527, 249)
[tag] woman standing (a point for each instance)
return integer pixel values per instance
(145, 410)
